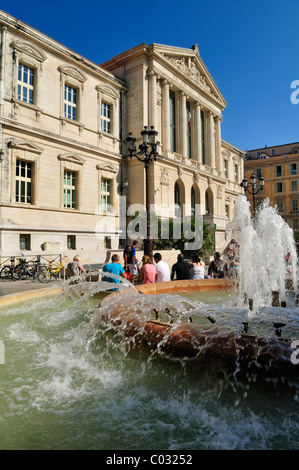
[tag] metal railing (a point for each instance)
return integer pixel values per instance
(53, 258)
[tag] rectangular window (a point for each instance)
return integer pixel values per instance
(69, 189)
(279, 188)
(294, 185)
(172, 121)
(259, 173)
(293, 169)
(294, 206)
(71, 242)
(23, 181)
(70, 102)
(296, 224)
(105, 118)
(25, 84)
(278, 171)
(280, 203)
(105, 194)
(188, 127)
(25, 242)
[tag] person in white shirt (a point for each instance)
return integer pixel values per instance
(162, 269)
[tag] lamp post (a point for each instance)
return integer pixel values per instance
(148, 152)
(255, 187)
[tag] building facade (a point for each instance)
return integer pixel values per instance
(171, 89)
(60, 142)
(279, 166)
(63, 127)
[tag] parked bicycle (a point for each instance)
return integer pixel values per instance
(19, 270)
(27, 269)
(7, 272)
(46, 273)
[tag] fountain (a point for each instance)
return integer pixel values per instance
(259, 289)
(133, 373)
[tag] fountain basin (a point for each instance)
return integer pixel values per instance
(138, 321)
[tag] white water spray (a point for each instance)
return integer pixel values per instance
(265, 241)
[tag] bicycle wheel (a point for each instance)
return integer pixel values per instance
(43, 274)
(20, 272)
(6, 273)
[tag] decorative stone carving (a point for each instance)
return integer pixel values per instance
(164, 177)
(220, 191)
(196, 177)
(188, 66)
(180, 173)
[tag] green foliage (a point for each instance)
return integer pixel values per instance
(174, 234)
(204, 239)
(296, 236)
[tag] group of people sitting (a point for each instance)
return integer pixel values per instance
(147, 272)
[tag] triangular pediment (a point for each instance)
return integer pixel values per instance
(30, 49)
(72, 72)
(107, 167)
(71, 158)
(21, 144)
(189, 63)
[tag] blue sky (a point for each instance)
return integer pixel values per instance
(250, 48)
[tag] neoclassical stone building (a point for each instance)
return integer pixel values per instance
(60, 145)
(63, 127)
(171, 89)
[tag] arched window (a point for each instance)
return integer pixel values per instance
(177, 200)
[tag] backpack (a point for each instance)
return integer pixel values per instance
(72, 269)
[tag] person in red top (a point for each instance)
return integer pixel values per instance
(147, 272)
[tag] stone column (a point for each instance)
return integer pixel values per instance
(211, 140)
(183, 125)
(219, 160)
(153, 99)
(196, 129)
(165, 116)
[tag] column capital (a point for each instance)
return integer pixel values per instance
(164, 82)
(151, 72)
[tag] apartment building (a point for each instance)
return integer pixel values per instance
(279, 166)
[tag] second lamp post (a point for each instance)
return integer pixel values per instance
(252, 187)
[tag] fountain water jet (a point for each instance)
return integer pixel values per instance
(264, 242)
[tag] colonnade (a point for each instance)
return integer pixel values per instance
(206, 148)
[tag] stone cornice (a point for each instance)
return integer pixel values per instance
(45, 42)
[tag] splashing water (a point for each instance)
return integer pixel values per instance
(265, 241)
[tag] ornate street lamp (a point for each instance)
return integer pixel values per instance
(255, 187)
(148, 152)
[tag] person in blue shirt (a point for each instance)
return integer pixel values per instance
(132, 260)
(113, 268)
